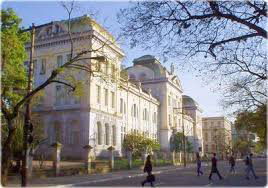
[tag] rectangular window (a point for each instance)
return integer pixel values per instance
(113, 99)
(43, 66)
(106, 97)
(58, 94)
(121, 105)
(169, 119)
(169, 100)
(113, 71)
(59, 61)
(106, 68)
(98, 94)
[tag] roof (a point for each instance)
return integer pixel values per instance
(150, 62)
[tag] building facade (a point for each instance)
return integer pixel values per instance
(192, 108)
(217, 136)
(109, 102)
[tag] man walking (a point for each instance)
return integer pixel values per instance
(214, 168)
(198, 161)
(232, 163)
(249, 167)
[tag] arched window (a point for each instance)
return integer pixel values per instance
(114, 135)
(107, 134)
(99, 133)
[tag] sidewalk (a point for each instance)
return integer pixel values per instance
(79, 180)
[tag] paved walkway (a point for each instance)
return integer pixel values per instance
(92, 178)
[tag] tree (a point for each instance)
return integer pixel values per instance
(255, 122)
(137, 143)
(231, 36)
(14, 80)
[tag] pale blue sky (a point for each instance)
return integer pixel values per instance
(39, 12)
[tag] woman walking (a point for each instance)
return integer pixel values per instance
(148, 168)
(198, 161)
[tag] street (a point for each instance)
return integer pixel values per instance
(188, 177)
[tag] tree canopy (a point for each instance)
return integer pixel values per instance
(137, 143)
(254, 121)
(14, 78)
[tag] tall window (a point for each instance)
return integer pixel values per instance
(107, 134)
(75, 134)
(113, 71)
(57, 131)
(113, 99)
(106, 68)
(206, 148)
(125, 108)
(169, 119)
(121, 105)
(169, 100)
(106, 97)
(58, 94)
(59, 60)
(99, 133)
(206, 136)
(98, 94)
(114, 135)
(43, 66)
(145, 114)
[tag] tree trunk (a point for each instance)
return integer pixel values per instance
(6, 154)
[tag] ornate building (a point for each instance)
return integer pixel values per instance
(112, 101)
(217, 136)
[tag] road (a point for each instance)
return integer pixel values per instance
(187, 177)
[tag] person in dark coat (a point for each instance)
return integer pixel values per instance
(198, 161)
(250, 168)
(148, 168)
(214, 168)
(232, 163)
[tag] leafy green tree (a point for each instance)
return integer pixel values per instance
(254, 121)
(189, 146)
(137, 143)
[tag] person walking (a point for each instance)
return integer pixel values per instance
(198, 161)
(249, 167)
(232, 163)
(214, 168)
(148, 168)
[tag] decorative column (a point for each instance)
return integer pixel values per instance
(56, 157)
(88, 149)
(111, 149)
(129, 159)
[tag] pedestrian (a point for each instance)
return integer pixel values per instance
(249, 167)
(232, 163)
(148, 168)
(198, 161)
(214, 168)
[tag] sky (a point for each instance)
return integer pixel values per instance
(41, 12)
